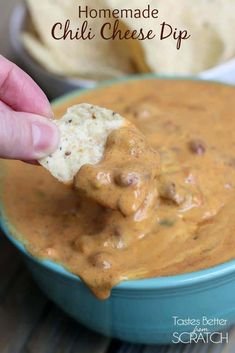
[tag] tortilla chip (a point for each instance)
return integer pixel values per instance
(84, 130)
(41, 53)
(108, 58)
(210, 44)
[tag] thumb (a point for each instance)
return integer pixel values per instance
(26, 136)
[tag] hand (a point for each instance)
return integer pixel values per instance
(26, 133)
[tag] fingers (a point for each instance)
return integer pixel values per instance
(32, 162)
(26, 136)
(4, 107)
(20, 92)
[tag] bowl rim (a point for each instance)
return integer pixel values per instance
(164, 282)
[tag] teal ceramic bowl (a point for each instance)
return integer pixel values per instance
(142, 311)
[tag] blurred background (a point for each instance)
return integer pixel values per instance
(60, 66)
(6, 8)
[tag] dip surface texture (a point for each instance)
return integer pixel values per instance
(186, 218)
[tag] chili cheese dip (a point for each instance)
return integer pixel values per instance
(161, 201)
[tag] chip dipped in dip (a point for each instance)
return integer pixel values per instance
(159, 201)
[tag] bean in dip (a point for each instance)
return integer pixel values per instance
(157, 200)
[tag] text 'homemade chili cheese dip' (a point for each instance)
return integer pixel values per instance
(160, 202)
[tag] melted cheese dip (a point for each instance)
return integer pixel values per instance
(184, 220)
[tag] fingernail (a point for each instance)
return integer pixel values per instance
(45, 139)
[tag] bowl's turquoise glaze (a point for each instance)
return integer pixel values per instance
(139, 310)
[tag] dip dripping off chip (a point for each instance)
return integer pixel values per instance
(83, 133)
